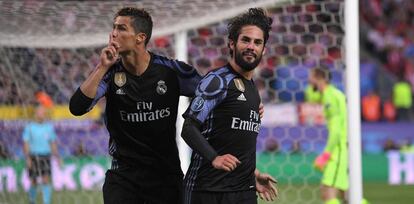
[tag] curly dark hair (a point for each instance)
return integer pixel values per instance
(254, 16)
(141, 20)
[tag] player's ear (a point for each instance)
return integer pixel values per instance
(140, 38)
(231, 46)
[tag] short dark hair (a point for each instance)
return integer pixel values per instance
(254, 16)
(322, 73)
(141, 20)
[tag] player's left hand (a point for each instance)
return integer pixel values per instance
(265, 186)
(261, 110)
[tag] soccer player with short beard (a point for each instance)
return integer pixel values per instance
(222, 123)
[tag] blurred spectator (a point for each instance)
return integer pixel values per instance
(389, 38)
(368, 75)
(395, 61)
(272, 145)
(371, 107)
(407, 147)
(296, 148)
(390, 145)
(402, 99)
(80, 150)
(44, 99)
(389, 112)
(4, 153)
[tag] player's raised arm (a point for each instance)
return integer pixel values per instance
(94, 87)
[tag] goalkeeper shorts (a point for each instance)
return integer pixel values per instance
(336, 170)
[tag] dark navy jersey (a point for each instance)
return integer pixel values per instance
(141, 112)
(226, 106)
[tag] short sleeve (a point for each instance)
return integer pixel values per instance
(52, 133)
(26, 133)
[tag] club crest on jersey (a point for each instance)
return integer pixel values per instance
(120, 79)
(239, 84)
(161, 88)
(197, 104)
(120, 91)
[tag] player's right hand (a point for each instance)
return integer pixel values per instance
(109, 54)
(225, 162)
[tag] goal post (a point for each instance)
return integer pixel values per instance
(353, 100)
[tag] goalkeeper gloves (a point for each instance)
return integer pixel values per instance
(321, 160)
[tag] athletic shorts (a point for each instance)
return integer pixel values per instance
(128, 185)
(336, 170)
(40, 166)
(237, 197)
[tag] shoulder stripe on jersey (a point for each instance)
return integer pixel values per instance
(219, 79)
(212, 80)
(176, 65)
(182, 69)
(210, 92)
(159, 60)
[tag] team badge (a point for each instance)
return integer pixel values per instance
(120, 91)
(161, 88)
(197, 104)
(239, 84)
(120, 79)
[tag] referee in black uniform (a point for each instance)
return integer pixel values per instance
(222, 123)
(142, 90)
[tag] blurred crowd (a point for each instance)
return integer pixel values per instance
(304, 35)
(387, 66)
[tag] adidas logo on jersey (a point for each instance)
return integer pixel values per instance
(241, 97)
(120, 92)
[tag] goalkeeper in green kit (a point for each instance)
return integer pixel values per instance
(333, 162)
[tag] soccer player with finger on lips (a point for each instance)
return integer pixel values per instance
(142, 90)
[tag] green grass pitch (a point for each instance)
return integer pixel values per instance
(376, 193)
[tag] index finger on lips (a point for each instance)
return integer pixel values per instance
(115, 44)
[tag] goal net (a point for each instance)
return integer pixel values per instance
(50, 47)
